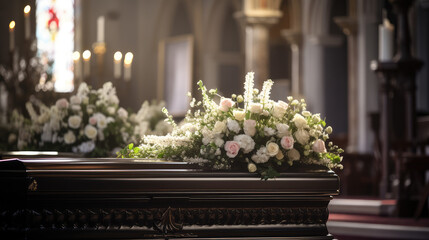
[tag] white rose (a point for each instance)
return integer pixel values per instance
(74, 121)
(219, 127)
(111, 110)
(282, 130)
(246, 143)
(302, 136)
(219, 142)
(251, 167)
(69, 137)
(293, 154)
(279, 109)
(316, 118)
(272, 149)
(122, 113)
(90, 132)
(328, 130)
(102, 123)
(249, 127)
(75, 100)
(255, 108)
(299, 121)
(239, 115)
(133, 117)
(85, 100)
(114, 99)
(306, 113)
(233, 125)
(319, 146)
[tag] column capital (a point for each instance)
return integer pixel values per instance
(293, 37)
(258, 19)
(347, 24)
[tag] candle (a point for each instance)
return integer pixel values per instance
(86, 55)
(117, 57)
(77, 65)
(385, 41)
(27, 10)
(128, 60)
(100, 29)
(12, 36)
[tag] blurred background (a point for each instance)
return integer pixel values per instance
(362, 64)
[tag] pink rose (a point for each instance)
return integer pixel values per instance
(232, 148)
(62, 103)
(225, 104)
(249, 127)
(319, 146)
(93, 120)
(287, 142)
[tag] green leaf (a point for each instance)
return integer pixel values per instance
(130, 146)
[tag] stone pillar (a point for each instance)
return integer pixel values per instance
(349, 26)
(294, 38)
(258, 16)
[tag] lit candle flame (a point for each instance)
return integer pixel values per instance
(12, 25)
(117, 56)
(86, 55)
(128, 58)
(76, 56)
(27, 9)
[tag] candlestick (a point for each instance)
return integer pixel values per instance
(100, 29)
(27, 10)
(385, 40)
(128, 60)
(86, 55)
(117, 57)
(12, 36)
(77, 65)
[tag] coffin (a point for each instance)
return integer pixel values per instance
(68, 198)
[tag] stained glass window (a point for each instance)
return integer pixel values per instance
(55, 39)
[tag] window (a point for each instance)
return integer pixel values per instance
(55, 40)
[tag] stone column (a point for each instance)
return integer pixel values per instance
(349, 26)
(294, 38)
(258, 16)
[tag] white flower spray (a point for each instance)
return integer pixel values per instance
(264, 96)
(248, 89)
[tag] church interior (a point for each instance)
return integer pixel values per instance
(362, 64)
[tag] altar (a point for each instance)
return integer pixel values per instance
(69, 198)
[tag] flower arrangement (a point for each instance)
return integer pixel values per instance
(90, 122)
(249, 128)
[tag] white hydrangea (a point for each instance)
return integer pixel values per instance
(233, 125)
(282, 130)
(261, 156)
(269, 131)
(246, 142)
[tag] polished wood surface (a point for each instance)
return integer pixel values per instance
(133, 198)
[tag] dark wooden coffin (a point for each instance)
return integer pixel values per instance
(141, 199)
